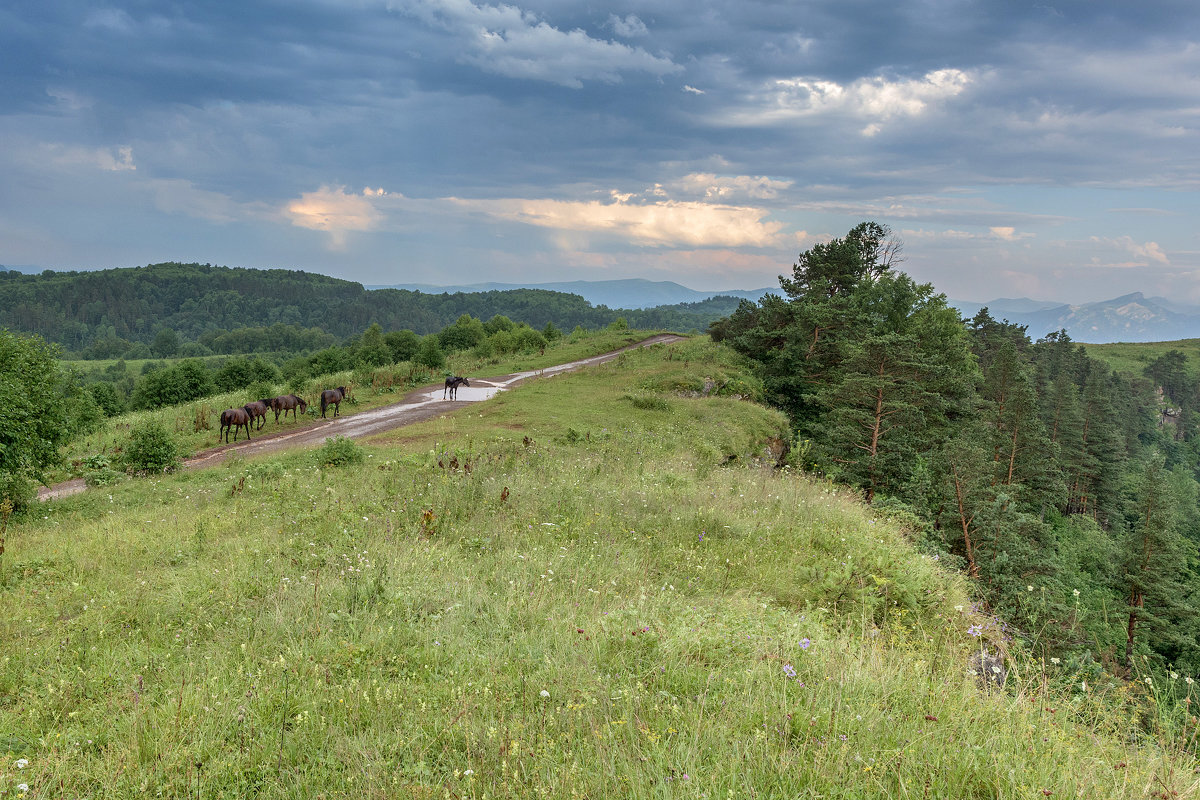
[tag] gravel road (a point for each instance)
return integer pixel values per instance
(418, 405)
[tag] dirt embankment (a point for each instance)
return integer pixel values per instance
(416, 406)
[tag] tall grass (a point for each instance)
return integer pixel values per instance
(491, 607)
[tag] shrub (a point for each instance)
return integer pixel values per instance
(107, 398)
(151, 450)
(430, 354)
(339, 452)
(648, 402)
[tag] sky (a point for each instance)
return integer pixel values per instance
(1046, 150)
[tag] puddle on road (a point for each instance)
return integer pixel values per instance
(469, 394)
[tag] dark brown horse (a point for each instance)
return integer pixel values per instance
(286, 403)
(258, 411)
(452, 385)
(234, 418)
(332, 397)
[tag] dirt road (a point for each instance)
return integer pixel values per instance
(418, 405)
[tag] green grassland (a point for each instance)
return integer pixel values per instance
(1133, 357)
(196, 425)
(590, 586)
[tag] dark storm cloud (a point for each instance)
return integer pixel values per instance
(441, 135)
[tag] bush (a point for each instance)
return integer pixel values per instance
(339, 452)
(430, 354)
(151, 450)
(168, 386)
(107, 398)
(648, 402)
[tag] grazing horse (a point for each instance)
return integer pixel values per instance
(332, 397)
(234, 418)
(286, 403)
(258, 411)
(452, 385)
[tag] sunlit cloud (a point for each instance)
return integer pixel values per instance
(870, 100)
(664, 223)
(332, 210)
(508, 41)
(1143, 253)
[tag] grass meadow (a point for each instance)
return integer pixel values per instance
(196, 425)
(1134, 357)
(585, 587)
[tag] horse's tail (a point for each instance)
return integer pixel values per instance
(324, 404)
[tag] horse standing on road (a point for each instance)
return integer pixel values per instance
(332, 397)
(452, 385)
(234, 418)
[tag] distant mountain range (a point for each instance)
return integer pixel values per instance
(1129, 318)
(631, 293)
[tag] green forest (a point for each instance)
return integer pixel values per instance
(200, 309)
(1067, 491)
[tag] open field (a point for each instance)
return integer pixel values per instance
(196, 425)
(590, 586)
(1133, 357)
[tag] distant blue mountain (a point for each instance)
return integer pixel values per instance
(631, 293)
(1129, 318)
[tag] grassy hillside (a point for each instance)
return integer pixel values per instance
(195, 426)
(586, 587)
(1132, 357)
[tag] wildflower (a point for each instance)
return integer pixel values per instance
(1188, 681)
(1054, 661)
(1174, 676)
(1084, 685)
(1076, 593)
(544, 693)
(22, 763)
(975, 630)
(805, 642)
(1149, 680)
(22, 787)
(958, 609)
(1029, 588)
(789, 670)
(467, 772)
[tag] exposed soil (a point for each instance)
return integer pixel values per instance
(416, 406)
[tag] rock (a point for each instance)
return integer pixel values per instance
(988, 670)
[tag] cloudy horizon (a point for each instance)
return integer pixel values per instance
(1040, 150)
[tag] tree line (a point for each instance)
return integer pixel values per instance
(200, 309)
(1048, 478)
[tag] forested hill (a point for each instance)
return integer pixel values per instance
(76, 309)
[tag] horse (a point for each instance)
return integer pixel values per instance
(332, 397)
(452, 385)
(234, 418)
(286, 403)
(258, 411)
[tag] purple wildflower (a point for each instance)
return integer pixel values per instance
(805, 642)
(975, 630)
(789, 670)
